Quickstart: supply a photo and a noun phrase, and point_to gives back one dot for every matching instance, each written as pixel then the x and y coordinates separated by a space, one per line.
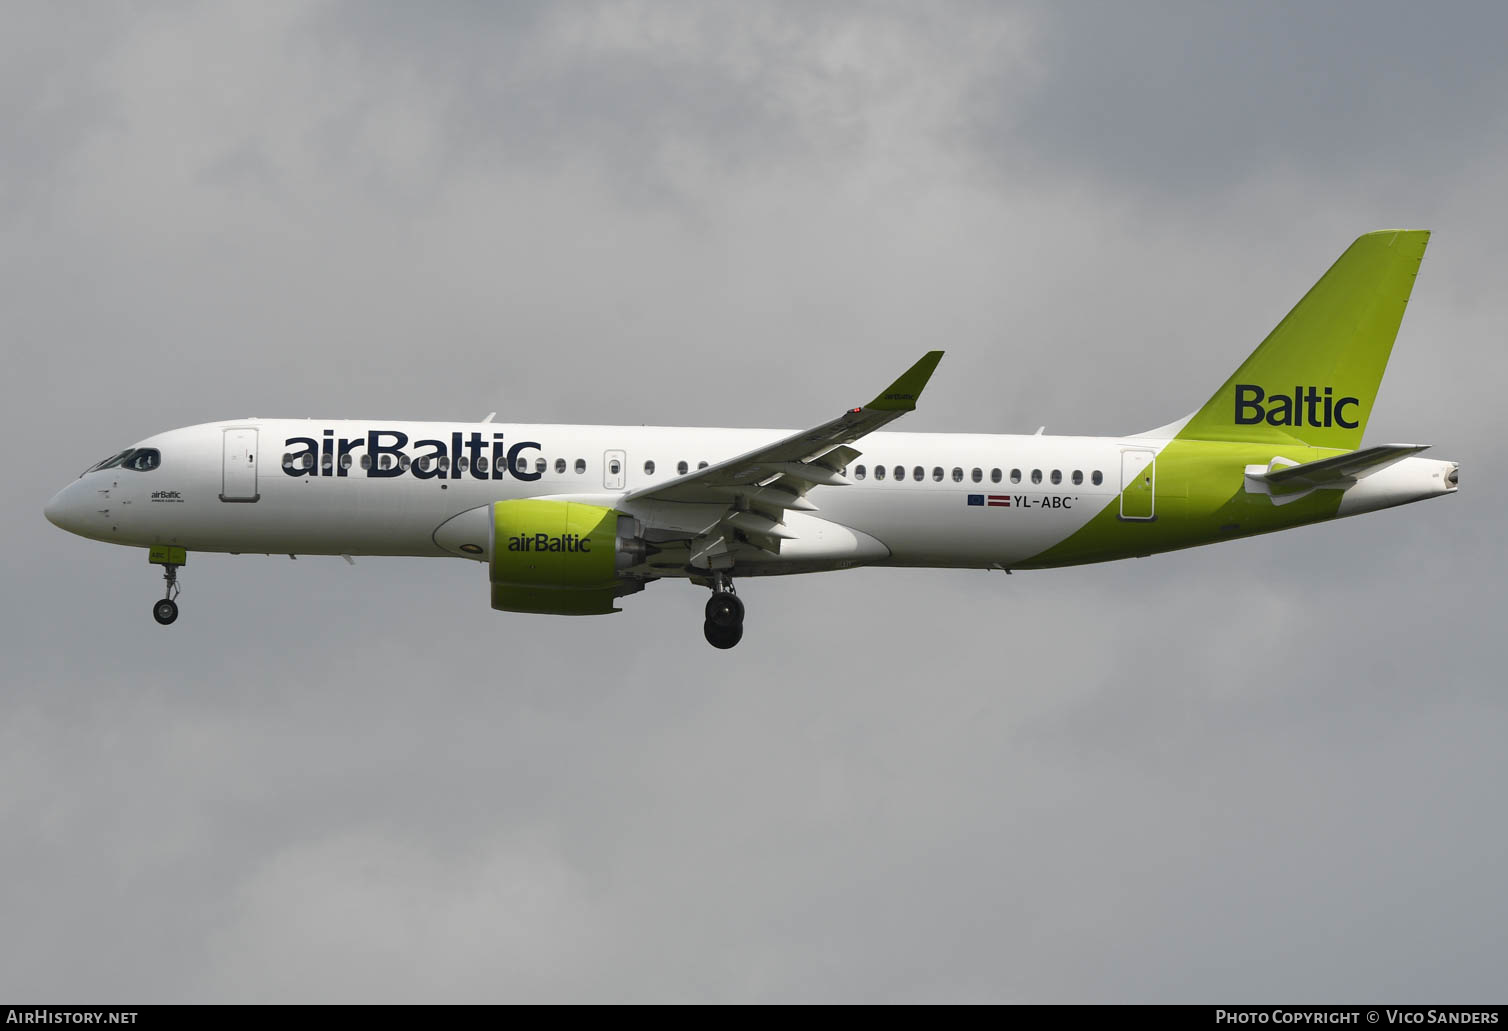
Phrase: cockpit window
pixel 142 460
pixel 111 462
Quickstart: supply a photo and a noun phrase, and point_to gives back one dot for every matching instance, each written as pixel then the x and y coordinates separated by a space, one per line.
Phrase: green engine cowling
pixel 560 557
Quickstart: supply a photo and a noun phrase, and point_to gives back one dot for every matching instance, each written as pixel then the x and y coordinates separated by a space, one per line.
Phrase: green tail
pixel 1314 378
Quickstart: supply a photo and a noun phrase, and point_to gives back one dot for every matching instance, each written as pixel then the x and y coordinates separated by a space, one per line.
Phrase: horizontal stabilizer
pixel 1340 471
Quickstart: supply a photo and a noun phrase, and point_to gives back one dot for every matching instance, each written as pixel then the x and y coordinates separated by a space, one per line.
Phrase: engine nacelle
pixel 561 557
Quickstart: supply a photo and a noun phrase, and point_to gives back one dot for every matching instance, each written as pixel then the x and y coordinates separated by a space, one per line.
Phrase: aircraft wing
pixel 1342 470
pixel 745 498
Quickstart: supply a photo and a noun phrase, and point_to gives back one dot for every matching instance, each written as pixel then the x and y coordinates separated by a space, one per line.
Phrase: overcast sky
pixel 1270 770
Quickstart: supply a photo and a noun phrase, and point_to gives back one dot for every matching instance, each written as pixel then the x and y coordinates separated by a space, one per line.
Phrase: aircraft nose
pixel 63 511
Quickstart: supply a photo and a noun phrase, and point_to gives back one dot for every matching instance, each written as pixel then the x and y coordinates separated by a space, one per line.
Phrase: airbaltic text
pixel 545 542
pixel 384 455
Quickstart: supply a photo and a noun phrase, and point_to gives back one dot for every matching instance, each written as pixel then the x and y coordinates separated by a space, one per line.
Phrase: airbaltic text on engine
pixel 440 459
pixel 1282 410
pixel 547 542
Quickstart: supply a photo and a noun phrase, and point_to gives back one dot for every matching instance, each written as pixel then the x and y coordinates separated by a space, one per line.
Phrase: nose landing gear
pixel 165 610
pixel 724 626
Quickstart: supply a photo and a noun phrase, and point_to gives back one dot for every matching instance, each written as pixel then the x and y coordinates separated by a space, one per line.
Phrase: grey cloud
pixel 652 97
pixel 49 98
pixel 1178 99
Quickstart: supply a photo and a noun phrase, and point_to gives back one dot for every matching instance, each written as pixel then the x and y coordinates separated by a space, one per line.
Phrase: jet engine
pixel 561 557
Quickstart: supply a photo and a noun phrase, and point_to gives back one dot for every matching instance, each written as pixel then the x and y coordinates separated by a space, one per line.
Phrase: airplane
pixel 569 519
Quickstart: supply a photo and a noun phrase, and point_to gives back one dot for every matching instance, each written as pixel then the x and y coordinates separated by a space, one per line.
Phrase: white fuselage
pixel 240 486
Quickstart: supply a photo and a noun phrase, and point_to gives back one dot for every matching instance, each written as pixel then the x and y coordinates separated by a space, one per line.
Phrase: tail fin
pixel 1314 378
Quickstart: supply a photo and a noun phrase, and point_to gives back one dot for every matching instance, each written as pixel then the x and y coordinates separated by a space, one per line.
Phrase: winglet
pixel 901 395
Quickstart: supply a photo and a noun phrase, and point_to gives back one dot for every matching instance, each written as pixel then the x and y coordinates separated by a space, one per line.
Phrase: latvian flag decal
pixel 991 500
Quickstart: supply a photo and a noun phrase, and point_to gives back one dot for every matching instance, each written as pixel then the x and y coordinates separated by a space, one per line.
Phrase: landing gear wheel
pixel 722 636
pixel 725 610
pixel 166 610
pixel 724 626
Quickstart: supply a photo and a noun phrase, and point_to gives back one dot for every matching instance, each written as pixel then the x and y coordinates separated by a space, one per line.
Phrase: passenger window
pixel 682 468
pixel 649 468
pixel 580 466
pixel 560 466
pixel 879 472
pixel 308 461
pixel 900 472
pixel 345 461
pixel 1078 477
pixel 1015 475
pixel 1057 476
pixel 327 462
pixel 957 475
pixel 481 463
pixel 701 465
pixel 366 461
pixel 1036 475
pixel 287 460
pixel 918 474
pixel 613 467
pixel 858 472
pixel 387 461
pixel 403 462
pixel 463 463
pixel 1096 478
pixel 937 473
pixel 444 463
pixel 977 475
pixel 539 466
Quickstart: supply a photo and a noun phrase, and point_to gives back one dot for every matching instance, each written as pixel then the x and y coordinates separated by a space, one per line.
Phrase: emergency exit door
pixel 1138 484
pixel 239 481
pixel 613 469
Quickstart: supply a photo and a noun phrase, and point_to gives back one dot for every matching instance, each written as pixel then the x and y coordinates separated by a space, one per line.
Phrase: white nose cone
pixel 66 509
pixel 54 510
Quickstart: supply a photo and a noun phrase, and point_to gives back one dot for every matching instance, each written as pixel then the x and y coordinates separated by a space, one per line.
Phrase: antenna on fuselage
pixel 490 416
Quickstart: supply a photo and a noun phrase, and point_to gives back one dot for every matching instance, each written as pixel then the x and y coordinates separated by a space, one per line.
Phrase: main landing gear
pixel 166 609
pixel 725 615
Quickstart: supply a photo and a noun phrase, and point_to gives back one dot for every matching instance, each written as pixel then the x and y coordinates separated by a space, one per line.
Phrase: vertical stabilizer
pixel 1315 377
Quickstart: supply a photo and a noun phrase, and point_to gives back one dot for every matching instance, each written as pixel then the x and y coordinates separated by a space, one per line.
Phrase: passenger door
pixel 239 479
